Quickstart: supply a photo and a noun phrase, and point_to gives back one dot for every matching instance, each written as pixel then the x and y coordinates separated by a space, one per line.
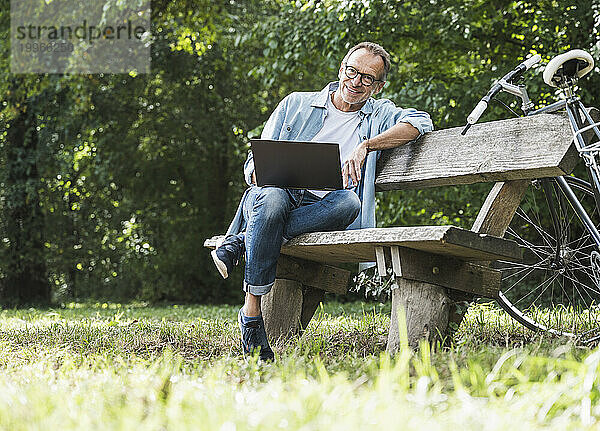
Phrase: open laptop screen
pixel 297 165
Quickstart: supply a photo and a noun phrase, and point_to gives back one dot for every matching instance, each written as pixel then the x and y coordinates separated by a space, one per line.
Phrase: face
pixel 352 90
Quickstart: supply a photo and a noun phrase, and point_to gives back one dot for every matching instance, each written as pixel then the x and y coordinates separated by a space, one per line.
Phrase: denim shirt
pixel 300 115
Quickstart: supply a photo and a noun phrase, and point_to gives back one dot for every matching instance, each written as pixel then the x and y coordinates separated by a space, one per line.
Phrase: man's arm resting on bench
pixel 395 136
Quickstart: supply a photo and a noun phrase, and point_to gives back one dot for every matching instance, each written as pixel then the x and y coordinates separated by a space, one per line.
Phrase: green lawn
pixel 113 366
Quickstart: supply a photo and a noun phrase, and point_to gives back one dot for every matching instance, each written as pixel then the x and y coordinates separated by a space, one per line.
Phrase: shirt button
pixel 288 128
pixel 364 137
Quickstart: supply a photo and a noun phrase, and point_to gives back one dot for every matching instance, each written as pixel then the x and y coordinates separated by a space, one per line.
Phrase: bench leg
pixel 288 308
pixel 310 302
pixel 426 310
pixel 282 308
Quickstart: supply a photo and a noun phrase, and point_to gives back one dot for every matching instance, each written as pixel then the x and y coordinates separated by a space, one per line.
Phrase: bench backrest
pixel 519 148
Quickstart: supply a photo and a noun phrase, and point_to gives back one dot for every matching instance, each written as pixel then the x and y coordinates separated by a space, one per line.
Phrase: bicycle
pixel 556 288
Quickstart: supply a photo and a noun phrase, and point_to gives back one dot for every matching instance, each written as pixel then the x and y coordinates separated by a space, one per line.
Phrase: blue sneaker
pixel 254 337
pixel 228 253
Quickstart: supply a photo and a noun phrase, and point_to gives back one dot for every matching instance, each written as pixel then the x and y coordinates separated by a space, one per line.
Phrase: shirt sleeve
pixel 272 130
pixel 392 115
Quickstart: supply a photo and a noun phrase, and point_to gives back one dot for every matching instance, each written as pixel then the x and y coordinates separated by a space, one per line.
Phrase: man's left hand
pixel 353 166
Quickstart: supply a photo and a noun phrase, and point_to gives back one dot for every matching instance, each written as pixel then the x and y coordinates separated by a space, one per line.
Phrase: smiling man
pixel 344 112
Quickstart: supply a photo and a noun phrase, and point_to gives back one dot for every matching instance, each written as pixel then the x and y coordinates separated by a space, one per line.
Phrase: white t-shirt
pixel 339 127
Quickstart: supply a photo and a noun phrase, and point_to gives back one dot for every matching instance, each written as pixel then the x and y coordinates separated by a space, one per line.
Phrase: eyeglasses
pixel 366 79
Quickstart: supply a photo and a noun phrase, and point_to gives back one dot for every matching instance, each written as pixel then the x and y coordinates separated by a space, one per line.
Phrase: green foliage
pixel 133 172
pixel 130 173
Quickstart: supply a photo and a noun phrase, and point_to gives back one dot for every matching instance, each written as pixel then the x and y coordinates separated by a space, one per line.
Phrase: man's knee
pixel 272 201
pixel 348 203
pixel 354 204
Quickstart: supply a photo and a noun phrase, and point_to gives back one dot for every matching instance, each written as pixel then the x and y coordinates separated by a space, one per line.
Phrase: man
pixel 343 112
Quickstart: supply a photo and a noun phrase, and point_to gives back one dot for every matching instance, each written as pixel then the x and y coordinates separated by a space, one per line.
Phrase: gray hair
pixel 374 49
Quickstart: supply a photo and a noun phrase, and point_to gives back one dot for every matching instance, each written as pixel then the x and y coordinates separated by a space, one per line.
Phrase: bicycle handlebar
pixel 532 61
pixel 508 78
pixel 476 113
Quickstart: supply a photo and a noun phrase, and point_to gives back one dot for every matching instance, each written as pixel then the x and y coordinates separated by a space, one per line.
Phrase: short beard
pixel 370 93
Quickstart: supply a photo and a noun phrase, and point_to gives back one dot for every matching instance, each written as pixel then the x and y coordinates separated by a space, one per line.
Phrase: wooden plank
pixel 313 274
pixel 425 308
pixel 282 310
pixel 450 273
pixel 514 149
pixel 380 257
pixel 395 251
pixel 499 207
pixel 311 298
pixel 359 245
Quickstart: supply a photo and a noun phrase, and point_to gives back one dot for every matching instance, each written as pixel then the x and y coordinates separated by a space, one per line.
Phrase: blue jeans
pixel 273 216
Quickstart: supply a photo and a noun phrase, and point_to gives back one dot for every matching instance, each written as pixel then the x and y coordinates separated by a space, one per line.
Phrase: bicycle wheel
pixel 556 288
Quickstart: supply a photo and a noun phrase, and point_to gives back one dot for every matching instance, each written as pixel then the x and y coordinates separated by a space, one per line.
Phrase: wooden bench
pixel 431 265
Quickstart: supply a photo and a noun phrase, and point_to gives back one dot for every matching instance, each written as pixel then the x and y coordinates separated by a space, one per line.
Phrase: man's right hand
pixel 352 167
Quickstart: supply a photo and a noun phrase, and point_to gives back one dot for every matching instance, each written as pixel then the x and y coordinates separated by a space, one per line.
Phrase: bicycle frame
pixel 573 107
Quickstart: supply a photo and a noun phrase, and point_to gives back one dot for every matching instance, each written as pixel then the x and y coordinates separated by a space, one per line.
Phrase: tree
pixel 110 182
pixel 134 171
pixel 25 280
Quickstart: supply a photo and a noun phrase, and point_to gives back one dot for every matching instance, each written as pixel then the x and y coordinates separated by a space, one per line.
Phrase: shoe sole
pixel 219 264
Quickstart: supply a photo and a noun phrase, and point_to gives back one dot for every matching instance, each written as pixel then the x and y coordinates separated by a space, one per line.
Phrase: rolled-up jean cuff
pixel 257 290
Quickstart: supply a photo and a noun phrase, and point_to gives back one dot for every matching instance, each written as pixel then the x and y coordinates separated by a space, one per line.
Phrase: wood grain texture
pixel 450 273
pixel 426 311
pixel 311 298
pixel 282 310
pixel 514 149
pixel 288 308
pixel 359 245
pixel 313 274
pixel 499 207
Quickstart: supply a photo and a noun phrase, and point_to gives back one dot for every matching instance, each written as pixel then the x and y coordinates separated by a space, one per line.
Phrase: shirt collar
pixel 321 100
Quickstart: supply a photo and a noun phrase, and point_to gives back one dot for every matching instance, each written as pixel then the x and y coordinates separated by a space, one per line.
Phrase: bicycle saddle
pixel 564 67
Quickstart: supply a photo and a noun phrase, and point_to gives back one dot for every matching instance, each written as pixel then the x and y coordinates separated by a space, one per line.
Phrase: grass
pixel 124 367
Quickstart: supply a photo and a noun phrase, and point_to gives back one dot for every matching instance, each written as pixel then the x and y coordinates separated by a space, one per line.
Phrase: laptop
pixel 297 164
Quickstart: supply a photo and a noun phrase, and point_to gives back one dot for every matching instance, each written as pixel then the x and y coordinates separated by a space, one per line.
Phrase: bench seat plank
pixel 359 245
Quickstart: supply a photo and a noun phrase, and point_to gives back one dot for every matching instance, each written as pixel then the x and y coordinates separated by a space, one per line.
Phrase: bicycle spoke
pixel 536 214
pixel 548 282
pixel 586 287
pixel 529 245
pixel 521 279
pixel 543 234
pixel 575 283
pixel 555 287
pixel 566 294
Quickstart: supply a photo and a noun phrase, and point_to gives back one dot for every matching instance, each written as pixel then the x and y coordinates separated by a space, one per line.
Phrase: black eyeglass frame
pixel 362 76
